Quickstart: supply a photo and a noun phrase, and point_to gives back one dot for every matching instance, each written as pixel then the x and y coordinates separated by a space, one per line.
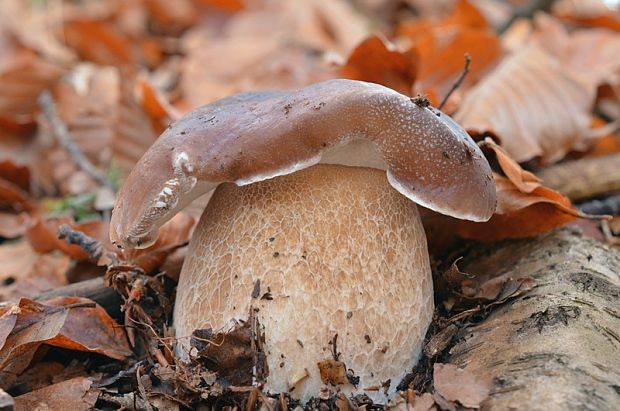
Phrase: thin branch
pixel 89 245
pixel 60 130
pixel 458 82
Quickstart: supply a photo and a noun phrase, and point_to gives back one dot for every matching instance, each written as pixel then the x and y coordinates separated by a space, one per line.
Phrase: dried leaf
pixel 135 131
pixel 532 105
pixel 378 61
pixel 442 59
pixel 74 394
pixel 525 207
pixel 99 42
pixel 464 14
pixel 521 214
pixel 22 79
pixel 11 225
pixel 87 102
pixel 459 385
pixel 587 13
pixel 172 235
pixel 332 372
pixel 85 327
pixel 228 353
pixel 589 55
pixel 27 273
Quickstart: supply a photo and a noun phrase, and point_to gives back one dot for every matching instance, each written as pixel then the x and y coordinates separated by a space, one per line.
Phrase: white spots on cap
pixel 161 204
pixel 181 161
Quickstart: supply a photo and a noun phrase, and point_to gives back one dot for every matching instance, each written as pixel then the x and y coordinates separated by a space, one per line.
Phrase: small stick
pixel 458 82
pixel 89 245
pixel 60 130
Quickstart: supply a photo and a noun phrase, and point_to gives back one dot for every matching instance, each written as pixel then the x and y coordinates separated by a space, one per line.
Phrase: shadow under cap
pixel 260 135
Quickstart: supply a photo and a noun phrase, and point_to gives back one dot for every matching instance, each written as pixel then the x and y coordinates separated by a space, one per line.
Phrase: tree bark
pixel 555 347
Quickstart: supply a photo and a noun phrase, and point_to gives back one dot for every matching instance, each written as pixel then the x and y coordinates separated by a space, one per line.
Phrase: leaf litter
pixel 119 74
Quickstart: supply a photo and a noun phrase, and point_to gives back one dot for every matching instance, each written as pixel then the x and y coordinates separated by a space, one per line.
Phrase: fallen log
pixel 556 346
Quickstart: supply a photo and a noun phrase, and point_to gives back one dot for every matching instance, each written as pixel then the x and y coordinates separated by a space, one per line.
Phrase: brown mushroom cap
pixel 255 136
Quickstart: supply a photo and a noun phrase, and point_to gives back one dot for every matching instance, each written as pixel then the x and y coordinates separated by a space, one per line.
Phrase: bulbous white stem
pixel 339 251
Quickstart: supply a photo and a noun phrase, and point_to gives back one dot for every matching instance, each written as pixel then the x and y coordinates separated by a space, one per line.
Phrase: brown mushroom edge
pixel 251 137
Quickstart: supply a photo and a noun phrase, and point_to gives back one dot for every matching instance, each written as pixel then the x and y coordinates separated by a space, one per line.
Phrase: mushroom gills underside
pixel 338 251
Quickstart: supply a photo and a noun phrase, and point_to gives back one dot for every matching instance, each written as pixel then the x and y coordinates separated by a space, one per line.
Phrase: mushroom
pixel 338 247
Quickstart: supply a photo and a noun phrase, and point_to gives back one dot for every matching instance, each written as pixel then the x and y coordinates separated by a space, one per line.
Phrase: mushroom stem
pixel 337 250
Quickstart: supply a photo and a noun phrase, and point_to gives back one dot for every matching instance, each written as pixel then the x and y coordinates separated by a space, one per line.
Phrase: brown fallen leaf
pixel 87 101
pixel 174 234
pixel 254 50
pixel 525 207
pixel 99 42
pixel 26 273
pixel 22 79
pixel 74 394
pixel 463 14
pixel 333 372
pixel 228 353
pixel 534 107
pixel 11 225
pixel 67 322
pixel 587 13
pixel 589 55
pixel 378 61
pixel 458 385
pixel 135 130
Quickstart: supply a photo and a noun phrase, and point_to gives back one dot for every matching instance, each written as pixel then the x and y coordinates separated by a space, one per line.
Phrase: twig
pixel 526 11
pixel 89 245
pixel 458 82
pixel 60 130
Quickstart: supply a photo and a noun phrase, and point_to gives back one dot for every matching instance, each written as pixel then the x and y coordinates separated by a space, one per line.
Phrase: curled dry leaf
pixel 76 394
pixel 174 234
pixel 66 322
pixel 532 105
pixel 454 384
pixel 378 61
pixel 525 207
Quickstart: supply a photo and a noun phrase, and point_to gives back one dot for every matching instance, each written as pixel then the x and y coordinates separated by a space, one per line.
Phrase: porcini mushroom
pixel 338 246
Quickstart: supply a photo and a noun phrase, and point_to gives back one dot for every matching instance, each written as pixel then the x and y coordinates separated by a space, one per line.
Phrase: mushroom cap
pixel 337 251
pixel 255 136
